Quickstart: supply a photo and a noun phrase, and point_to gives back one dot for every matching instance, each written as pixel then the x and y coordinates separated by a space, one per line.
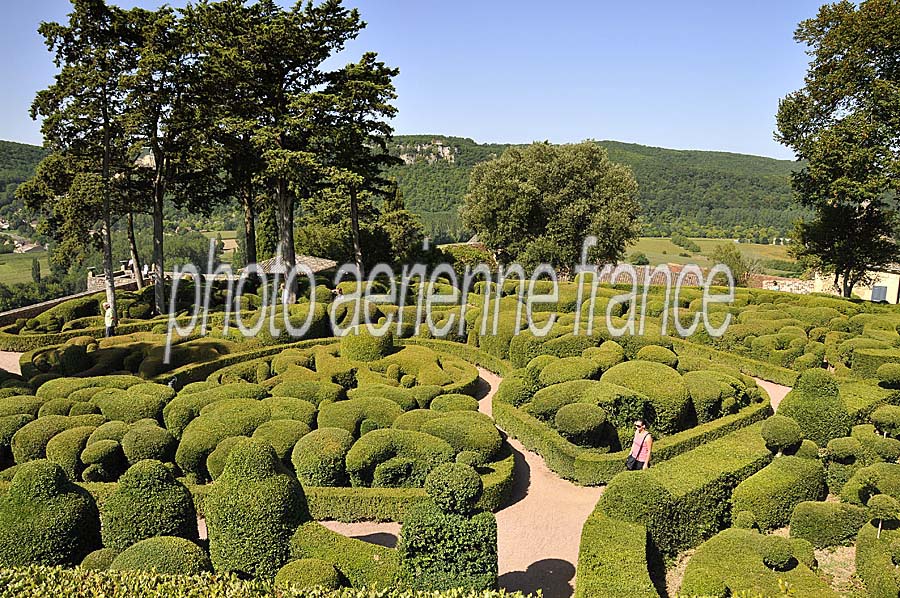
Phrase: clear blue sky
pixel 689 74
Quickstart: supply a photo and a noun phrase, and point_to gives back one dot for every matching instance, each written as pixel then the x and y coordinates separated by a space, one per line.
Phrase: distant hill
pixel 696 193
pixel 17 163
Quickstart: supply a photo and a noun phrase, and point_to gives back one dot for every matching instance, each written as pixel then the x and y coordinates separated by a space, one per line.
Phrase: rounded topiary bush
pixel 781 433
pixel 423 453
pixel 454 402
pixel 777 553
pixel 103 460
pixel 581 423
pixel 147 502
pixel 815 405
pixel 569 368
pixel 454 487
pixel 658 354
pixel 252 510
pixel 467 431
pixel 745 520
pixel 99 560
pixel 664 387
pixel 319 457
pixel 887 420
pixel 45 519
pixel 308 573
pixel 359 344
pixel 282 434
pixel 164 554
pixel 149 442
pixel 215 463
pixel 65 448
pixel 30 441
pixel 889 374
pixel 114 430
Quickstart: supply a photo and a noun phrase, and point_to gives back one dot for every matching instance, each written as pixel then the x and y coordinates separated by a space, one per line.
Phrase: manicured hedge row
pixel 873 562
pixel 772 493
pixel 827 523
pixel 201 371
pixel 751 367
pixel 685 500
pixel 866 362
pixel 862 398
pixel 40 582
pixel 391 504
pixel 612 559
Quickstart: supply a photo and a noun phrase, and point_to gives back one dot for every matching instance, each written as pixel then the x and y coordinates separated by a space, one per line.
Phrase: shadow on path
pixel 551 576
pixel 385 539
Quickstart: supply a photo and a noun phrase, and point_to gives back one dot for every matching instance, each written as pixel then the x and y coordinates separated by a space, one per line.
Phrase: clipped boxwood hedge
pixel 827 523
pixel 772 493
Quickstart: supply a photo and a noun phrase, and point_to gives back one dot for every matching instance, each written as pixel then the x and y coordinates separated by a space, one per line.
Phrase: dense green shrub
pixel 114 430
pixel 252 510
pixel 65 448
pixel 815 404
pixel 56 407
pixel 315 392
pixel 351 414
pixel 440 550
pixel 30 441
pixel 454 488
pixel 658 354
pixel 179 412
pixel 466 431
pixel 149 442
pixel 423 452
pixel 889 374
pixel 127 405
pixel 163 554
pixel 772 493
pixel 308 573
pixel 581 423
pixel 217 459
pixel 147 502
pixel 359 344
pixel 104 461
pixel 402 396
pixel 878 478
pixel 745 520
pixel 865 362
pixel 827 523
pixel 454 402
pixel 282 434
pixel 20 404
pixel 781 433
pixel 662 385
pixel 887 420
pixel 319 457
pixel 567 369
pixel 777 553
pixel 874 564
pixel 45 519
pixel 362 564
pixel 613 555
pixel 100 559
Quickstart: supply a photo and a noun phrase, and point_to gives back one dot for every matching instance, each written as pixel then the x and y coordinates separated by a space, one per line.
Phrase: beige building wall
pixel 890 281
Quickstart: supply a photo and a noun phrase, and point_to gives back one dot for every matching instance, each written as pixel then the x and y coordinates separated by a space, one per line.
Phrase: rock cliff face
pixel 427 152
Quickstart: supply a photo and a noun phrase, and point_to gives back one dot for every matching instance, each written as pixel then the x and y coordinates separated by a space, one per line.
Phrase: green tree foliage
pixel 537 204
pixel 742 268
pixel 844 124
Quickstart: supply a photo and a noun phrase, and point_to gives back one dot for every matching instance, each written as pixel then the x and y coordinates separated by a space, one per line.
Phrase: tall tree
pixel 355 105
pixel 538 203
pixel 845 123
pixel 82 111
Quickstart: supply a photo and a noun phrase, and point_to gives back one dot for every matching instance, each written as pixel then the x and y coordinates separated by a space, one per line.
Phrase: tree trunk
pixel 107 208
pixel 847 285
pixel 249 226
pixel 135 258
pixel 285 202
pixel 160 282
pixel 354 226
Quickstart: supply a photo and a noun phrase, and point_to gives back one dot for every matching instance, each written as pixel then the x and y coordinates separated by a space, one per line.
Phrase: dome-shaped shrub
pixel 149 442
pixel 581 423
pixel 454 487
pixel 664 387
pixel 567 369
pixel 147 502
pixel 351 413
pixel 164 554
pixel 889 374
pixel 454 402
pixel 781 433
pixel 99 560
pixel 308 573
pixel 745 520
pixel 65 448
pixel 844 449
pixel 359 344
pixel 282 434
pixel 658 354
pixel 467 431
pixel 424 452
pixel 45 519
pixel 815 405
pixel 215 463
pixel 30 441
pixel 777 553
pixel 319 457
pixel 887 420
pixel 114 430
pixel 252 511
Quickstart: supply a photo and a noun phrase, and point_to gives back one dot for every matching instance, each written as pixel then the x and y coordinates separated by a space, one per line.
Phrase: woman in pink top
pixel 642 445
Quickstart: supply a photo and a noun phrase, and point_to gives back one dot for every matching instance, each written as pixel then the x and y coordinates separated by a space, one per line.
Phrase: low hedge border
pixel 39 582
pixel 751 367
pixel 593 469
pixel 612 559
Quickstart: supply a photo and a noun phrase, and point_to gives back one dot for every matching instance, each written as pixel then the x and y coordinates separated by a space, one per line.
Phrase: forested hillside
pixel 696 193
pixel 17 162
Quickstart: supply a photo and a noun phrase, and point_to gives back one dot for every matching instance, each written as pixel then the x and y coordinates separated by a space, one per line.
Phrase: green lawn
pixel 662 251
pixel 16 267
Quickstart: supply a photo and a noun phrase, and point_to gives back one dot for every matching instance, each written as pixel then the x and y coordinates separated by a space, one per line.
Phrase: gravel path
pixel 538 532
pixel 776 392
pixel 9 361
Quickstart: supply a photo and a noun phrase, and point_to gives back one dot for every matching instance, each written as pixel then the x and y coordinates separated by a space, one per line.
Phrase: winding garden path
pixel 9 361
pixel 776 392
pixel 538 532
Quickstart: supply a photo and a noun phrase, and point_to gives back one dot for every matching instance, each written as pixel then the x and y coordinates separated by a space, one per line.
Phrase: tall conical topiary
pixel 252 510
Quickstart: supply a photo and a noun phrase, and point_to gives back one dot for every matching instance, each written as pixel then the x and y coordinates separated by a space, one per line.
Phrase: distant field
pixel 662 251
pixel 229 238
pixel 16 267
